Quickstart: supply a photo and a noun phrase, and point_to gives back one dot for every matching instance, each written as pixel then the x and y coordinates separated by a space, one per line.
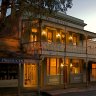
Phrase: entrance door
pixel 93 73
pixel 30 75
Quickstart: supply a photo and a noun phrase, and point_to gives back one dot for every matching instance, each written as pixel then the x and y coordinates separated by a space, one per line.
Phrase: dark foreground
pixel 85 93
pixel 90 91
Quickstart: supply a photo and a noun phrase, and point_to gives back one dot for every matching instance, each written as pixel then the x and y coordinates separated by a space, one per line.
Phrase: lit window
pixel 52 66
pixel 75 66
pixel 74 40
pixel 50 36
pixel 94 71
pixel 58 37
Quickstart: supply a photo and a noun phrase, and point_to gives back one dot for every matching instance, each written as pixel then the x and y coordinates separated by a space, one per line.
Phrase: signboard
pixel 10 60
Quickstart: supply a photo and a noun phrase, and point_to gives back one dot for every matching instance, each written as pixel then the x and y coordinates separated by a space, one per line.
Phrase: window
pixel 75 66
pixel 74 40
pixel 52 66
pixel 58 37
pixel 62 37
pixel 8 71
pixel 50 35
pixel 94 71
pixel 70 37
pixel 33 35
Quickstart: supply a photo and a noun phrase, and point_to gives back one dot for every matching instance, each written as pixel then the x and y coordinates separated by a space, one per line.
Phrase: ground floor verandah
pixel 53 72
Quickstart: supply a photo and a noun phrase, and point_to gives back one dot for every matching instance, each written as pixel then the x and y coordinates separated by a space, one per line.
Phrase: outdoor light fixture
pixel 34 30
pixel 43 32
pixel 58 35
pixel 71 65
pixel 70 37
pixel 62 65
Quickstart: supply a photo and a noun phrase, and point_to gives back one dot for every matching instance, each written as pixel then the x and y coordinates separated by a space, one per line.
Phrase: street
pixel 84 93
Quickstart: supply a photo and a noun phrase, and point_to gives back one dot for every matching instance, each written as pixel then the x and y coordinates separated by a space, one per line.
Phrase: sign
pixel 10 60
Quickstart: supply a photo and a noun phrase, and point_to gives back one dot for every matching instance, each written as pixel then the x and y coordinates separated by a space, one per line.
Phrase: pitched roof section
pixel 67 20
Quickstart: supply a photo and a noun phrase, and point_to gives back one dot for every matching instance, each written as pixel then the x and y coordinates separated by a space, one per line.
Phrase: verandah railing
pixel 32 47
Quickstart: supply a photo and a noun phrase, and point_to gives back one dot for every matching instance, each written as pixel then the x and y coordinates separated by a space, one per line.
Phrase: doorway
pixel 30 75
pixel 93 72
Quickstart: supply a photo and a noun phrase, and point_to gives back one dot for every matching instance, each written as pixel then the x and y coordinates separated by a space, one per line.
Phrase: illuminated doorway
pixel 93 72
pixel 30 75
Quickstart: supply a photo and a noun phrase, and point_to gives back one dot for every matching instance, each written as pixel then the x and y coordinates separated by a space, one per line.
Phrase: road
pixel 84 93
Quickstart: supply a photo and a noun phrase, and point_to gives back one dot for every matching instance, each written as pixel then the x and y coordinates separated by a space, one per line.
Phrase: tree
pixel 37 5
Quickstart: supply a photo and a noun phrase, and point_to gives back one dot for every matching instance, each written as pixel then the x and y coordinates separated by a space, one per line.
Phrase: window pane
pixel 52 66
pixel 75 66
pixel 50 39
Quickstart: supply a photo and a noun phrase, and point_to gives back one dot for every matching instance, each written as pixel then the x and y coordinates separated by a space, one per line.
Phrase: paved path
pixel 90 91
pixel 84 93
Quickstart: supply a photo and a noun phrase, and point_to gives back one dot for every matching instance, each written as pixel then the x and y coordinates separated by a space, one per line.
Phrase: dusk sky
pixel 85 10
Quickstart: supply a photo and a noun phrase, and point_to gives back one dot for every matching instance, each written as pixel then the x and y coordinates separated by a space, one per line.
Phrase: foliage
pixel 36 6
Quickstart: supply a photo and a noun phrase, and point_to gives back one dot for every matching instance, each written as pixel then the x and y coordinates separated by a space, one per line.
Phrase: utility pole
pixel 86 64
pixel 19 80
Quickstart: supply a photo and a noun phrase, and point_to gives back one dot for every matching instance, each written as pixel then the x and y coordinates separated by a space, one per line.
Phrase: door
pixel 93 72
pixel 30 75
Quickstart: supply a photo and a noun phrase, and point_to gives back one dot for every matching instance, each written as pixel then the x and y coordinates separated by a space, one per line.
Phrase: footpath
pixel 63 91
pixel 57 92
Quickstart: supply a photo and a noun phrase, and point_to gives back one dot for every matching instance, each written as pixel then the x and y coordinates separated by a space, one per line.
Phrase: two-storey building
pixel 52 51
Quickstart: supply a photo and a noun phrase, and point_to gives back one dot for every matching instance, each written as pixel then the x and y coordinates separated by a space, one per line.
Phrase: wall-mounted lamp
pixel 58 35
pixel 34 30
pixel 62 65
pixel 71 63
pixel 70 37
pixel 43 32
